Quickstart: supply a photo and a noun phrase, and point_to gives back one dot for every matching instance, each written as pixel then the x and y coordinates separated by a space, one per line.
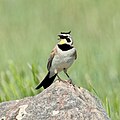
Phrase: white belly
pixel 63 60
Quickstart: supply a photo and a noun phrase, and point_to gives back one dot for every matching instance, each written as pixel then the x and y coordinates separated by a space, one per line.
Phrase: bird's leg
pixel 65 71
pixel 59 77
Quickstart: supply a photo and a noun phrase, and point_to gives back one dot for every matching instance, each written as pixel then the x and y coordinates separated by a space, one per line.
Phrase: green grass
pixel 28 32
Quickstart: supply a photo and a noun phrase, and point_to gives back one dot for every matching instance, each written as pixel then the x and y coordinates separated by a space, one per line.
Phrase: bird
pixel 61 58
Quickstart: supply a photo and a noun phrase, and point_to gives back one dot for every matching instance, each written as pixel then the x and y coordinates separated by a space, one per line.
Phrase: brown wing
pixel 75 54
pixel 51 58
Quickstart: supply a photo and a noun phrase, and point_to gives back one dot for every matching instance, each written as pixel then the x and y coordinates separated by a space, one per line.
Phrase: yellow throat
pixel 62 41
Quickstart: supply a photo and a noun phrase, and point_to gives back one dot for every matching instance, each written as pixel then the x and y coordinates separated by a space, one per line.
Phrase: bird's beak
pixel 59 35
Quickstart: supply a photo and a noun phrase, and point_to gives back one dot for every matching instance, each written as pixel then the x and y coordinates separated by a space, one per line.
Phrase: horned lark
pixel 61 58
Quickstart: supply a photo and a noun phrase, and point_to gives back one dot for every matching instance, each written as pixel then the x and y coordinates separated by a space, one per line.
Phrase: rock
pixel 61 101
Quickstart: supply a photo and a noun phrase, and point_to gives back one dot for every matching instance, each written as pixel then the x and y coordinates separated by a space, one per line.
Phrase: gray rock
pixel 61 101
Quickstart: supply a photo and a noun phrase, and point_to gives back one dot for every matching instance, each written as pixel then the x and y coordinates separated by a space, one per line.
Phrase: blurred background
pixel 28 32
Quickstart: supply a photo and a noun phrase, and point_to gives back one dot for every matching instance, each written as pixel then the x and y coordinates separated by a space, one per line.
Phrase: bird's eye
pixel 62 37
pixel 68 40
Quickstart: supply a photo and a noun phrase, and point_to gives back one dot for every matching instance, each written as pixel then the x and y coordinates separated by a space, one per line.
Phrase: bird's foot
pixel 60 80
pixel 70 81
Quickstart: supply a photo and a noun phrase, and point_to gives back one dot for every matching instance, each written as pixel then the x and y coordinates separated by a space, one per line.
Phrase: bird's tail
pixel 46 82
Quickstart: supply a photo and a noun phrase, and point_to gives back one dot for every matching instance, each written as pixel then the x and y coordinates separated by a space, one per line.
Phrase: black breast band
pixel 65 47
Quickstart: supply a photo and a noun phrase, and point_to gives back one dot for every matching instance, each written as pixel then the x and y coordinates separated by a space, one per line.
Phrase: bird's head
pixel 65 38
